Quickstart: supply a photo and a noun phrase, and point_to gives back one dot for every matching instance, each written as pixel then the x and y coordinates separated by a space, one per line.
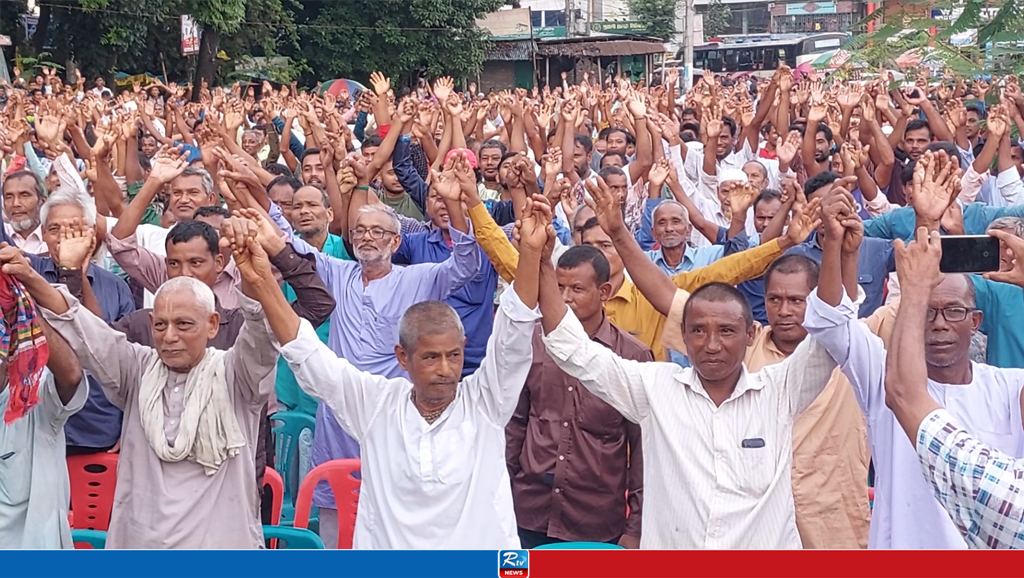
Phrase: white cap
pixel 731 175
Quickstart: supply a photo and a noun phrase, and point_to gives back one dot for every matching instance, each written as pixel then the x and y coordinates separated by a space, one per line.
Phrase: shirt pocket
pixel 16 473
pixel 751 469
pixel 453 461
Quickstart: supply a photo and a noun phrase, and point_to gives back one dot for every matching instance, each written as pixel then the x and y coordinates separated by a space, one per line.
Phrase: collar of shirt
pixel 231 271
pixel 689 378
pixel 605 334
pixel 35 235
pixel 625 292
pixel 688 253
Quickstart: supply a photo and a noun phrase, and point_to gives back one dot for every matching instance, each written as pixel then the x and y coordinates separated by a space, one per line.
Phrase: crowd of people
pixel 594 312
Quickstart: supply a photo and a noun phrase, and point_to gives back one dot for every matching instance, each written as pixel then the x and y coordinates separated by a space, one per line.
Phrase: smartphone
pixel 969 254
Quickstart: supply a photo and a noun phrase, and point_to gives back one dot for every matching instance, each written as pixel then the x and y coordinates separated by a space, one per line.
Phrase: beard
pixel 27 225
pixel 371 255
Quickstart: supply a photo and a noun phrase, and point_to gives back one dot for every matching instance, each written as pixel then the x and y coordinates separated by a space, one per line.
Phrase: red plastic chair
pixel 93 481
pixel 276 484
pixel 338 474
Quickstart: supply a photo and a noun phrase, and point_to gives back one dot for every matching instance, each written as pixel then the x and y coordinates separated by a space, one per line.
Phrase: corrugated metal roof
pixel 511 50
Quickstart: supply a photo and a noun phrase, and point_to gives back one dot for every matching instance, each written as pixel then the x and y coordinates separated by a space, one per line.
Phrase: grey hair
pixel 70 196
pixel 198 172
pixel 375 208
pixel 686 214
pixel 199 290
pixel 427 318
pixel 40 184
pixel 1012 225
pixel 582 207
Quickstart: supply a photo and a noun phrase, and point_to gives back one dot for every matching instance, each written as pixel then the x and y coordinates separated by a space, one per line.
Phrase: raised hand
pixel 805 219
pixel 446 183
pixel 998 122
pixel 741 198
pixel 1015 275
pixel 534 230
pixel 167 165
pixel 606 206
pixel 787 149
pixel 659 174
pixel 76 244
pixel 917 262
pixel 935 185
pixel 443 87
pixel 636 107
pixel 381 84
pixel 552 162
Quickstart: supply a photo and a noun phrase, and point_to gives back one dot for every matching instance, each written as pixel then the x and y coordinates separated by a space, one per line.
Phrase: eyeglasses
pixel 376 233
pixel 951 314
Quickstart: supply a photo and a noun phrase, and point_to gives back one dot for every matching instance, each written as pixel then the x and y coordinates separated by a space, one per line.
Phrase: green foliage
pixel 994 51
pixel 402 38
pixel 658 15
pixel 33 65
pixel 716 19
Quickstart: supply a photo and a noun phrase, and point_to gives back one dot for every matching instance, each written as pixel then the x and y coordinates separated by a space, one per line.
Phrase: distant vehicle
pixel 763 57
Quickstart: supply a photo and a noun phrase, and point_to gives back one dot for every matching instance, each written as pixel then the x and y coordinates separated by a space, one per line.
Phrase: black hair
pixel 767 195
pixel 278 169
pixel 584 141
pixel 976 108
pixel 688 112
pixel 719 293
pixel 578 255
pixel 610 154
pixel 822 127
pixel 818 181
pixel 729 122
pixel 211 211
pixel 918 124
pixel 309 152
pixel 789 264
pixel 603 135
pixel 372 140
pixel 798 127
pixel 630 139
pixel 606 172
pixel 289 180
pixel 185 231
pixel 587 225
pixel 494 144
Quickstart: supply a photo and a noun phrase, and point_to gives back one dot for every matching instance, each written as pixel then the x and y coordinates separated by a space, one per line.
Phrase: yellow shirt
pixel 629 310
pixel 830 447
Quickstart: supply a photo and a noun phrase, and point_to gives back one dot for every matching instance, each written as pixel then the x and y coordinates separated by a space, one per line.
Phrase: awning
pixel 601 48
pixel 511 50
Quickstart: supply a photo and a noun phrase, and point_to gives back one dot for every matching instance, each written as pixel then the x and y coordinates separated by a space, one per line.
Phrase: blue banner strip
pixel 249 564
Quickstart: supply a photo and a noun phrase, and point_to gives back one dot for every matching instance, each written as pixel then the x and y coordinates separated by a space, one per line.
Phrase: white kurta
pixel 35 491
pixel 906 513
pixel 715 477
pixel 443 485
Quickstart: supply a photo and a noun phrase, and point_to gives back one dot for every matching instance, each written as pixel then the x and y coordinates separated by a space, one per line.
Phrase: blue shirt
pixel 365 322
pixel 900 223
pixel 289 394
pixel 702 256
pixel 98 423
pixel 877 260
pixel 474 302
pixel 1001 305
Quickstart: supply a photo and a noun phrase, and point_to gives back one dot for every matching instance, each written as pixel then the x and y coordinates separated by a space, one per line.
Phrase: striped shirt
pixel 716 477
pixel 981 488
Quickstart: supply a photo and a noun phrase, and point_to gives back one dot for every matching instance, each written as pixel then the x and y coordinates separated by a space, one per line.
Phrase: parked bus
pixel 763 57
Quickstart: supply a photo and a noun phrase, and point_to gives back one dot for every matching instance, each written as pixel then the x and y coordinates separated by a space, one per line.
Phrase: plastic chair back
pixel 580 546
pixel 293 440
pixel 338 475
pixel 93 481
pixel 284 538
pixel 94 539
pixel 273 480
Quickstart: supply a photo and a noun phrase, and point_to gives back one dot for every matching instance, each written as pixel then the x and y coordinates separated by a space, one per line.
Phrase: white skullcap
pixel 731 175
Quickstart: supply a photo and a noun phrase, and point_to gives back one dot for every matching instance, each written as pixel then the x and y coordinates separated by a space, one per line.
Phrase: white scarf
pixel 209 433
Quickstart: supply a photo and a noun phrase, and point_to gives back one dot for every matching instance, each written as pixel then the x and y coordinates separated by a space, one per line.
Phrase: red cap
pixel 469 156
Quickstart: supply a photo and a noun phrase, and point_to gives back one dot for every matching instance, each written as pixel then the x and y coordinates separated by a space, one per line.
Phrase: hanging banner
pixel 189 36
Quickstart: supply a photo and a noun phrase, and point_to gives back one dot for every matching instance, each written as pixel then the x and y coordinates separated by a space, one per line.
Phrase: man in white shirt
pixel 34 488
pixel 24 195
pixel 433 448
pixel 977 485
pixel 983 398
pixel 717 439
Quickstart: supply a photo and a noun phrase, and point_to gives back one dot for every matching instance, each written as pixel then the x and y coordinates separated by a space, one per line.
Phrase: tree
pixel 994 28
pixel 659 16
pixel 402 38
pixel 716 19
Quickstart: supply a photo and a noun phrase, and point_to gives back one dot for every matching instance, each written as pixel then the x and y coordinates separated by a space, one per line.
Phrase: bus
pixel 763 57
